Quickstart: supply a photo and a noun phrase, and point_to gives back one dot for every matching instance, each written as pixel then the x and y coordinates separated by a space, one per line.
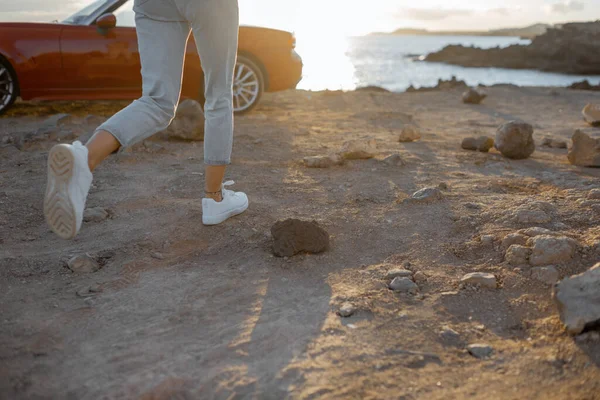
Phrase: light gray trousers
pixel 163 27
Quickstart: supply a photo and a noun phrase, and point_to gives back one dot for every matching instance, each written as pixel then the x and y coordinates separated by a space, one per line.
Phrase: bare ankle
pixel 216 196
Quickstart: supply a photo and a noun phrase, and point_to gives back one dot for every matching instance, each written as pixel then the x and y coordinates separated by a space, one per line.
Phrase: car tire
pixel 248 85
pixel 8 85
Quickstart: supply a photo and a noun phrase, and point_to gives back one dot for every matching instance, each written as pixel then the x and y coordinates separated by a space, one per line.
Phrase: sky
pixel 357 17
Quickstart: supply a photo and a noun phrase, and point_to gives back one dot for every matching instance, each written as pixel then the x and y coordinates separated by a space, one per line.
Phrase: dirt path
pixel 184 311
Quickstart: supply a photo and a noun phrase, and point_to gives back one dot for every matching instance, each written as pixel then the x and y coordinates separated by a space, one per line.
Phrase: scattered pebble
pixel 323 161
pixel 394 160
pixel 359 149
pixel 450 337
pixel 547 275
pixel 481 279
pixel 554 143
pixel 83 264
pixel 479 350
pixel 482 144
pixel 585 151
pixel 157 255
pixel 524 216
pixel 594 194
pixel 95 214
pixel 420 277
pixel 517 255
pixel 425 195
pixel 346 310
pixel 404 285
pixel 515 140
pixel 292 236
pixel 514 238
pixel 473 96
pixel 409 133
pixel 578 300
pixel 394 273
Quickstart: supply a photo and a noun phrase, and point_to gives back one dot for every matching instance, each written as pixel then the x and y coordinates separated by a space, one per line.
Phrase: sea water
pixel 393 62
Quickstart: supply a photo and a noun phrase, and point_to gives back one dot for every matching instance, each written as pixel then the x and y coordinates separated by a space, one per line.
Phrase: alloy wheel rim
pixel 245 87
pixel 7 87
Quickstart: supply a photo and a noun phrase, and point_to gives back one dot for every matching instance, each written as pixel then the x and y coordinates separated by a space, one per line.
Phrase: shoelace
pixel 228 192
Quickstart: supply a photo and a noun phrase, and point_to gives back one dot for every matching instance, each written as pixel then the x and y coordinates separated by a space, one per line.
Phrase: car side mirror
pixel 106 21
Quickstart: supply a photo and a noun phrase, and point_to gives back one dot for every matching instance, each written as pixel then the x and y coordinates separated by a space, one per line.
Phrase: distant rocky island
pixel 528 32
pixel 572 48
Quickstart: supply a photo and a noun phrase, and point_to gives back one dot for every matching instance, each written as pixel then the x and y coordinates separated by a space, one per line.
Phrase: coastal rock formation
pixel 572 49
pixel 515 140
pixel 584 85
pixel 585 151
pixel 441 85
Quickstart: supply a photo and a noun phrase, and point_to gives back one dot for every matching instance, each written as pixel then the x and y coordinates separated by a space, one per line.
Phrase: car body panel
pixel 65 61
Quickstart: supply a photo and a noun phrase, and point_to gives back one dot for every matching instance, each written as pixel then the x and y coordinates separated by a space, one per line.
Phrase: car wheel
pixel 248 85
pixel 8 86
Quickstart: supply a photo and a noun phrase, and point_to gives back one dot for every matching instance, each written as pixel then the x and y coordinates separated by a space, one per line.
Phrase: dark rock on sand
pixel 578 300
pixel 515 140
pixel 293 236
pixel 585 151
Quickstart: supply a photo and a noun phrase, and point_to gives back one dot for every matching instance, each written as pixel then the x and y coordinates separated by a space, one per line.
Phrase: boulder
pixel 360 149
pixel 409 133
pixel 394 160
pixel 473 96
pixel 188 123
pixel 482 143
pixel 346 310
pixel 515 140
pixel 585 151
pixel 514 238
pixel 293 236
pixel 578 300
pixel 548 250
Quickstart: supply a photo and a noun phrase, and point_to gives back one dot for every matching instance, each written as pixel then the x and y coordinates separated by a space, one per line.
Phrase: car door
pixel 102 64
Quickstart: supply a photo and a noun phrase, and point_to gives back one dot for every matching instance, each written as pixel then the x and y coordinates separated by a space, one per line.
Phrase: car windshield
pixel 81 15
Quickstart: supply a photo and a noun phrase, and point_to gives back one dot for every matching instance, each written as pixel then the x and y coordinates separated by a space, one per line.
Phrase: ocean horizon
pixel 391 62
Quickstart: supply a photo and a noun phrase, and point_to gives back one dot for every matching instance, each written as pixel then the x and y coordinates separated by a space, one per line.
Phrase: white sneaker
pixel 69 181
pixel 234 203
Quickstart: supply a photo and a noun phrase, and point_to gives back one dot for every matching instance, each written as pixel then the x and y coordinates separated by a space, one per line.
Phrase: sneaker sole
pixel 58 207
pixel 217 219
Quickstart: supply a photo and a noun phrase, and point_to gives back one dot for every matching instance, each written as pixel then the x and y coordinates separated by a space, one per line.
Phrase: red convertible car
pixel 93 55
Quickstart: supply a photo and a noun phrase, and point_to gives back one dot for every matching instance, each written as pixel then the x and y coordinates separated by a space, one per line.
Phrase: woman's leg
pixel 162 49
pixel 215 26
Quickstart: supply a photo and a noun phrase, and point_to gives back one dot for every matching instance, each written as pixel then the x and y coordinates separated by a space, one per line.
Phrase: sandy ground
pixel 216 315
